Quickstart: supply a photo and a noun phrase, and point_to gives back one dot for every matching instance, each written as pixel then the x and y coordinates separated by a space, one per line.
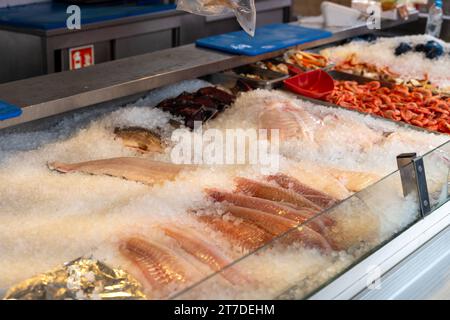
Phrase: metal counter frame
pixel 112 38
pixel 355 281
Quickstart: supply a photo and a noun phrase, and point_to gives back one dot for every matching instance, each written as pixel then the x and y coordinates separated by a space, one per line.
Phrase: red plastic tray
pixel 313 84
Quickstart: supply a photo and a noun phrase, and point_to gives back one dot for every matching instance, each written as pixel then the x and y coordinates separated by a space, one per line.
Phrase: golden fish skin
pixel 272 207
pixel 246 235
pixel 277 226
pixel 319 198
pixel 158 264
pixel 135 169
pixel 204 252
pixel 318 223
pixel 270 192
pixel 141 139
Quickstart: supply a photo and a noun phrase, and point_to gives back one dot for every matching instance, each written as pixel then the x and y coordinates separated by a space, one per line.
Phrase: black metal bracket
pixel 413 176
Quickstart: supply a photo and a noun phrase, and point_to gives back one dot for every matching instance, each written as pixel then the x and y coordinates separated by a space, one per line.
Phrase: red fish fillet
pixel 274 193
pixel 268 206
pixel 319 198
pixel 204 252
pixel 278 225
pixel 136 169
pixel 158 264
pixel 244 234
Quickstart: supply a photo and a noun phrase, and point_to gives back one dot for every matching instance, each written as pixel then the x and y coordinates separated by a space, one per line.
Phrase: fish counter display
pixel 417 61
pixel 102 184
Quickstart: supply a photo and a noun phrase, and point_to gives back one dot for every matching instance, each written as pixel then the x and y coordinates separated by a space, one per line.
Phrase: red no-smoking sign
pixel 81 57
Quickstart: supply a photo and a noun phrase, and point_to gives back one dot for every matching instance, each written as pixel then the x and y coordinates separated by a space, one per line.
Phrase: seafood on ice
pixel 247 221
pixel 420 58
pixel 241 233
pixel 292 122
pixel 176 234
pixel 279 209
pixel 135 169
pixel 141 139
pixel 158 264
pixel 418 107
pixel 261 204
pixel 271 192
pixel 317 197
pixel 201 105
pixel 276 226
pixel 205 252
pixel 295 122
pixel 336 182
pixel 306 60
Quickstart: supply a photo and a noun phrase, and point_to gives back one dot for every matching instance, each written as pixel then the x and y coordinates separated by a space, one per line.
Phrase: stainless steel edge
pixel 423 275
pixel 56 93
pixel 362 275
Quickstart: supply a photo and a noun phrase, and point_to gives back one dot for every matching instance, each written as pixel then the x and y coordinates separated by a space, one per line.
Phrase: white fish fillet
pixel 354 180
pixel 314 177
pixel 293 122
pixel 135 169
pixel 351 132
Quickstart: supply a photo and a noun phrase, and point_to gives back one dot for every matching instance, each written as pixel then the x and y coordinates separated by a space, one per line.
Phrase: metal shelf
pixel 53 94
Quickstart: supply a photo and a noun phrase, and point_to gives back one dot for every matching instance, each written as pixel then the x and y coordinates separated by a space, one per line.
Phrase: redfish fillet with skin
pixel 319 198
pixel 245 235
pixel 270 192
pixel 134 169
pixel 158 264
pixel 278 225
pixel 206 253
pixel 269 206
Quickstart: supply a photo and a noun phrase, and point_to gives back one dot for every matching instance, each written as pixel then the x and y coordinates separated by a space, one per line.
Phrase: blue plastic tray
pixel 50 15
pixel 8 111
pixel 267 39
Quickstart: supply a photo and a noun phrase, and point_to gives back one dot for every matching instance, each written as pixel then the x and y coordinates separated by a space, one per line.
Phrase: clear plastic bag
pixel 243 9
